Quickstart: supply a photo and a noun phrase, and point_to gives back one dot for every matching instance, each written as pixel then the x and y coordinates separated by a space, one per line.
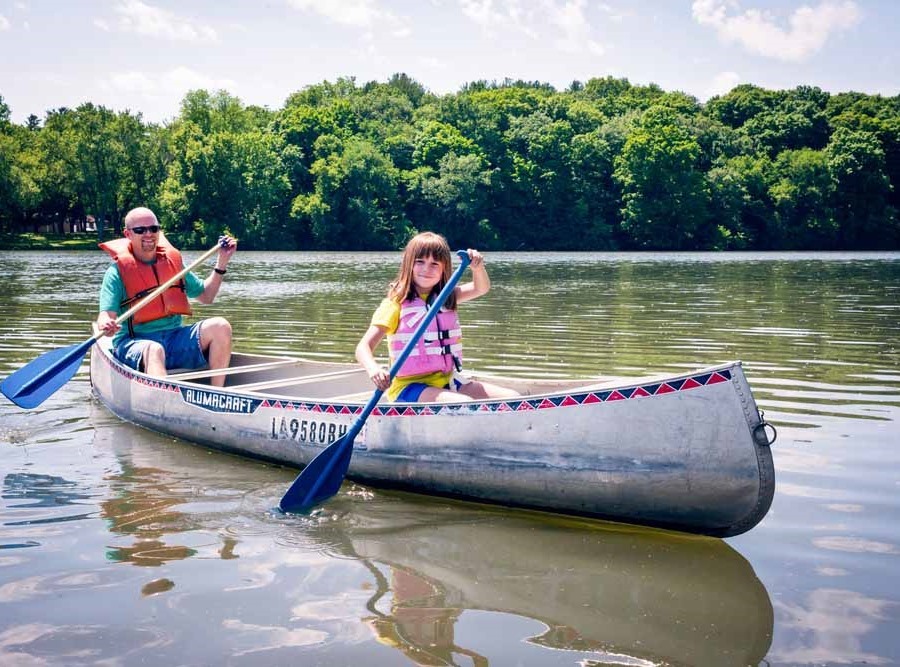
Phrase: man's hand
pixel 106 322
pixel 227 248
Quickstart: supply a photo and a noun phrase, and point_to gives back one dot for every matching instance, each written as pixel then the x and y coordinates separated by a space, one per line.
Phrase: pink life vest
pixel 439 350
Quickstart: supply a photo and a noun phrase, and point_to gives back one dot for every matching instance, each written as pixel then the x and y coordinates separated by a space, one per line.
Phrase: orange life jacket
pixel 140 279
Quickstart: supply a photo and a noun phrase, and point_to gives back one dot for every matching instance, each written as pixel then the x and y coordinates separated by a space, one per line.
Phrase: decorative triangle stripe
pixel 545 403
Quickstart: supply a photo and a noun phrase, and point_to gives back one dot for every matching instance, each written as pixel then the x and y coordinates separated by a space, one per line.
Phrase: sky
pixel 144 55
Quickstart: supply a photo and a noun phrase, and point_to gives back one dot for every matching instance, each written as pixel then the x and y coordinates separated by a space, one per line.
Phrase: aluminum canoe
pixel 688 452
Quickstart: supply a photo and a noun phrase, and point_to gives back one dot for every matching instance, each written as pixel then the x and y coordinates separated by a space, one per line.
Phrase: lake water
pixel 119 546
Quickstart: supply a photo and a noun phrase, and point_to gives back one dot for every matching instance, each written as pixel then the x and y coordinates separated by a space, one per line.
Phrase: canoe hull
pixel 679 453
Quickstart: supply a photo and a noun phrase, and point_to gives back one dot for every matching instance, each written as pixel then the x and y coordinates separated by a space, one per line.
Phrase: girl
pixel 428 373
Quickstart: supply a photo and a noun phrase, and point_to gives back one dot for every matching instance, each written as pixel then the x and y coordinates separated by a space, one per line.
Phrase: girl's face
pixel 427 272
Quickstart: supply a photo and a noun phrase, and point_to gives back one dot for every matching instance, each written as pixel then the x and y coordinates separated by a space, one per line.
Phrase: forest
pixel 511 165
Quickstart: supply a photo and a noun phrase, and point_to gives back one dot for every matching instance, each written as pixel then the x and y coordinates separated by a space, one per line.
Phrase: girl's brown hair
pixel 426 244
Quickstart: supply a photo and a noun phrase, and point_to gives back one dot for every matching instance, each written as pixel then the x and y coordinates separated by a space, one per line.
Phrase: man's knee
pixel 216 329
pixel 154 356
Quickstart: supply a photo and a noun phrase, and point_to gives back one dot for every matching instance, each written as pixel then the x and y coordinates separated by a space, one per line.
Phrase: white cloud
pixel 355 13
pixel 758 31
pixel 614 14
pixel 532 19
pixel 143 19
pixel 570 18
pixel 500 15
pixel 722 83
pixel 174 83
pixel 434 63
pixel 4 22
pixel 360 13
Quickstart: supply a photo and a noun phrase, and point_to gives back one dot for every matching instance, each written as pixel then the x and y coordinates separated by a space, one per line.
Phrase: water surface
pixel 122 546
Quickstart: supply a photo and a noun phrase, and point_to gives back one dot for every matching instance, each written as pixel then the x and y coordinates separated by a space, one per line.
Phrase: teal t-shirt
pixel 112 294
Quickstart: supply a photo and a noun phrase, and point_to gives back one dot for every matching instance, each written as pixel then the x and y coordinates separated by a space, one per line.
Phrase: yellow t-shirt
pixel 387 316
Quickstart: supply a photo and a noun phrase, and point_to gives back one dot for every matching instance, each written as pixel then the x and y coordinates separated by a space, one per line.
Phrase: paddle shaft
pixel 345 444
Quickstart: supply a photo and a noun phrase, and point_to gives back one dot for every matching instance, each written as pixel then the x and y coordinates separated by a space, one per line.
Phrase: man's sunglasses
pixel 149 228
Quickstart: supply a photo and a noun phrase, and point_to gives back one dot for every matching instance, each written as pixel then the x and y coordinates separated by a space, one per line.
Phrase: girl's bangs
pixel 431 247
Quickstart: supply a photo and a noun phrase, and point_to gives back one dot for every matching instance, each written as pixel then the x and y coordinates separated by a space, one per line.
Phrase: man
pixel 154 338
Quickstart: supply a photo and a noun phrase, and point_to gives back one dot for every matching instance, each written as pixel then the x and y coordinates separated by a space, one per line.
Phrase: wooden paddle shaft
pixel 164 286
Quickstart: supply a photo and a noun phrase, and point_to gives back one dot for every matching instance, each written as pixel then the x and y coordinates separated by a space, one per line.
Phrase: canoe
pixel 688 452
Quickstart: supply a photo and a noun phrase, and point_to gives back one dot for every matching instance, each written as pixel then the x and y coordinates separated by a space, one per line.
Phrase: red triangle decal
pixel 716 378
pixel 524 406
pixel 504 407
pixel 664 389
pixel 409 412
pixel 690 383
pixel 546 403
pixel 615 396
pixel 591 398
pixel 568 400
pixel 331 410
pixel 640 391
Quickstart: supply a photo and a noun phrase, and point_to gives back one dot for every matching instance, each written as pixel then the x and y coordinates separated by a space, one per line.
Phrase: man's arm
pixel 214 281
pixel 111 294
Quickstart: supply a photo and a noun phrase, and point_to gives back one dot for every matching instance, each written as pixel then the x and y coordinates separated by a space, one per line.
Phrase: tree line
pixel 512 165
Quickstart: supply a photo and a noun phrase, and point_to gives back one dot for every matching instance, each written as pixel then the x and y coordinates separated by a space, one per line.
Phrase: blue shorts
pixel 182 347
pixel 412 392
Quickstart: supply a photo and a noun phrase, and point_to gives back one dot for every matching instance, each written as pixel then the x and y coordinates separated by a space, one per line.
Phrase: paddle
pixel 322 478
pixel 32 384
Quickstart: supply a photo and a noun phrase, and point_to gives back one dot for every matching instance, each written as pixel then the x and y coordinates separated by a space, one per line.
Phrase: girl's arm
pixel 481 282
pixel 365 355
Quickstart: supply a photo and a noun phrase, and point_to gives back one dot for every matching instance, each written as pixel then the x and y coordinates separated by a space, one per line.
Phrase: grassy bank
pixel 29 241
pixel 78 241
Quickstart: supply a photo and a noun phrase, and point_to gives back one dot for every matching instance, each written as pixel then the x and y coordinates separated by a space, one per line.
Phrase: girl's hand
pixel 476 258
pixel 380 378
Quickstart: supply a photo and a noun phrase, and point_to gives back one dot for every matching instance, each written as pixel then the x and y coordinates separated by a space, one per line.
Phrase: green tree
pixel 802 190
pixel 664 196
pixel 740 203
pixel 355 203
pixel 856 161
pixel 228 181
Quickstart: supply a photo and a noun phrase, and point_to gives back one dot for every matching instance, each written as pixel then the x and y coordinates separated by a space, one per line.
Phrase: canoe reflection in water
pixel 618 593
pixel 447 582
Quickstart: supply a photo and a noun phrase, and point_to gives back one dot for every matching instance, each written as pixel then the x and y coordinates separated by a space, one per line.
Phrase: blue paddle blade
pixel 32 384
pixel 321 479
